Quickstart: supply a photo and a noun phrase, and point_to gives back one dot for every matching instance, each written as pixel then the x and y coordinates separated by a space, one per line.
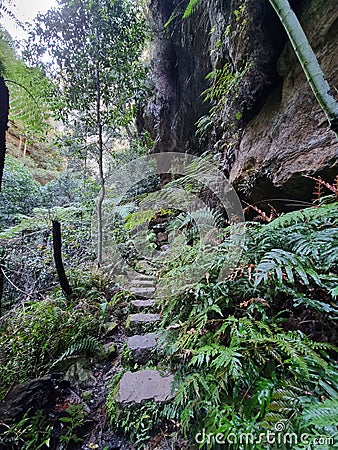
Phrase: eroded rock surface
pixel 269 131
pixel 35 395
pixel 289 135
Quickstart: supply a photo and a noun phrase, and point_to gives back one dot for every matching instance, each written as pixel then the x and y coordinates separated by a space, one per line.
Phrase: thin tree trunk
pixel 101 173
pixel 4 110
pixel 1 285
pixel 25 147
pixel 57 249
pixel 308 61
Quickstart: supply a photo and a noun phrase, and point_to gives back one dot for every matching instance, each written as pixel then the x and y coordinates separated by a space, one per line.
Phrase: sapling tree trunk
pixel 308 61
pixel 4 109
pixel 57 249
pixel 1 284
pixel 101 172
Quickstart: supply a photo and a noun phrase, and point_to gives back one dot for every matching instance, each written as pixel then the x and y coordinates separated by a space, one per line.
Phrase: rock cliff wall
pixel 262 118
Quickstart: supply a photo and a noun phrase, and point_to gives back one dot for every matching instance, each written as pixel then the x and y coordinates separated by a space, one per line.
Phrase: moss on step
pixel 141 323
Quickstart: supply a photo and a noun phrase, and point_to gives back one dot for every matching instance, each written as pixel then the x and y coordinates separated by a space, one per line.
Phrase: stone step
pixel 144 276
pixel 139 276
pixel 137 387
pixel 140 323
pixel 143 282
pixel 143 291
pixel 137 305
pixel 142 347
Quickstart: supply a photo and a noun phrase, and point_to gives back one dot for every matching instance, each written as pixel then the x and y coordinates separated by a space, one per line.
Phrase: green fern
pixel 319 244
pixel 323 215
pixel 278 264
pixel 125 210
pixel 86 346
pixel 322 414
pixel 225 336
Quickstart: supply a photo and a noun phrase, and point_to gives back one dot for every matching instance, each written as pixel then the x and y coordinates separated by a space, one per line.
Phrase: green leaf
pixel 190 8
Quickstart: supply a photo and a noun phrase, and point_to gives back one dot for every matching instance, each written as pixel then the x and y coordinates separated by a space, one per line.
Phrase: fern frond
pixel 319 244
pixel 125 209
pixel 319 180
pixel 322 414
pixel 279 264
pixel 87 345
pixel 197 223
pixel 285 403
pixel 262 214
pixel 326 214
pixel 315 304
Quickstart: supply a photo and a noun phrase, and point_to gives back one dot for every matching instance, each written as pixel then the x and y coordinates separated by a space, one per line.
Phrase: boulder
pixel 36 395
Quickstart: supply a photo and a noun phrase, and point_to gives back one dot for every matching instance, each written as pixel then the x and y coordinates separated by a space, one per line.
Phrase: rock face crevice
pixel 269 126
pixel 290 136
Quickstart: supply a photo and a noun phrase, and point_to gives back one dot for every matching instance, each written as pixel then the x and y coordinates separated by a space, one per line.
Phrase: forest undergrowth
pixel 251 352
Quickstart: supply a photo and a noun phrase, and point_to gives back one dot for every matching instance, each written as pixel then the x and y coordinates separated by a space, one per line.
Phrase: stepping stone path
pixel 147 291
pixel 136 387
pixel 141 304
pixel 143 385
pixel 142 347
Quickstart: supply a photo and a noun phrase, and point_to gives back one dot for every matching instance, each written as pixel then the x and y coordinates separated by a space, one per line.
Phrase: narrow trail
pixel 137 337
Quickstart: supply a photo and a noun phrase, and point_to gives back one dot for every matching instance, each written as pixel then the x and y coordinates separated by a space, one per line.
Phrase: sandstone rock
pixel 140 323
pixel 142 346
pixel 270 130
pixel 110 350
pixel 136 387
pixel 143 282
pixel 143 291
pixel 35 395
pixel 289 137
pixel 137 305
pixel 81 373
pixel 162 237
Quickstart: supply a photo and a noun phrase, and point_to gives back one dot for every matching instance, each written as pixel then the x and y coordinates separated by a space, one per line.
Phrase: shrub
pixel 20 193
pixel 38 335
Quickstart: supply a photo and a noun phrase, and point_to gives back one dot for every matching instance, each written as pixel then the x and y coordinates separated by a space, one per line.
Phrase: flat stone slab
pixel 143 291
pixel 144 277
pixel 144 318
pixel 143 283
pixel 137 387
pixel 140 304
pixel 140 342
pixel 143 348
pixel 141 323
